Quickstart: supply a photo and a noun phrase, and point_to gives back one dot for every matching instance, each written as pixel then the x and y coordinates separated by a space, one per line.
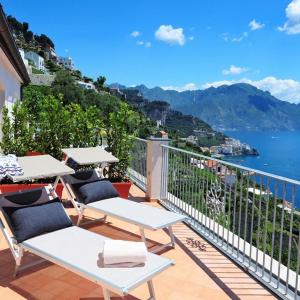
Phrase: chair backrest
pixel 26 198
pixel 32 212
pixel 84 176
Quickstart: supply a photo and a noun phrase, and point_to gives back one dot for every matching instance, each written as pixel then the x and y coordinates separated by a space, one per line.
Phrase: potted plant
pixel 42 124
pixel 121 126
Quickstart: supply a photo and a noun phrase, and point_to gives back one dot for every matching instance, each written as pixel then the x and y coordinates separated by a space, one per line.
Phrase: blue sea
pixel 279 153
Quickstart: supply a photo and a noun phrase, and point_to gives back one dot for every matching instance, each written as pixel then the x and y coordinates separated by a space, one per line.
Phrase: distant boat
pixel 266 164
pixel 275 137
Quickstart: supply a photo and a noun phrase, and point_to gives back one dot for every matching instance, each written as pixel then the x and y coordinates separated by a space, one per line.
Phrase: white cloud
pixel 145 44
pixel 236 39
pixel 135 33
pixel 283 89
pixel 292 25
pixel 188 87
pixel 170 35
pixel 240 38
pixel 225 36
pixel 191 38
pixel 254 25
pixel 234 70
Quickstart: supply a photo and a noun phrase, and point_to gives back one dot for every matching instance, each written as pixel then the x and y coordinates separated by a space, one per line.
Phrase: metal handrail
pixel 282 178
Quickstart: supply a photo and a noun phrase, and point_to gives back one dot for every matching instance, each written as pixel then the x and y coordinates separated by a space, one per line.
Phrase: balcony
pixel 250 216
pixel 198 274
pixel 240 240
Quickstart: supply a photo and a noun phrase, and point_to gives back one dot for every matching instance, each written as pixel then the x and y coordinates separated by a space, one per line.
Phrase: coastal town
pixel 230 147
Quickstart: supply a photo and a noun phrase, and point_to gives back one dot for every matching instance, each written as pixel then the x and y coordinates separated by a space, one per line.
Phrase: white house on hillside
pixel 67 62
pixel 13 73
pixel 22 52
pixel 36 59
pixel 86 85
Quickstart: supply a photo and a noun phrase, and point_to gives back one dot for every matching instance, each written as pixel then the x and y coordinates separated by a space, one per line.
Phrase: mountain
pixel 174 122
pixel 231 107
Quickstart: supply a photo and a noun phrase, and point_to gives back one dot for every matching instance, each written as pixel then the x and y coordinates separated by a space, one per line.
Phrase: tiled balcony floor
pixel 197 274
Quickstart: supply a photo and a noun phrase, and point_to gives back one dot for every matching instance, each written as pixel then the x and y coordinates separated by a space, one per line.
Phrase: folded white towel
pixel 120 252
pixel 9 166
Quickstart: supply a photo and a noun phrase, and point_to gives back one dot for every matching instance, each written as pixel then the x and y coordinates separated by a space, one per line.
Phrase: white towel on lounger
pixel 124 252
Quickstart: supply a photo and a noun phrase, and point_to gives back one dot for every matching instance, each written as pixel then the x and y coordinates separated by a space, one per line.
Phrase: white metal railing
pixel 248 214
pixel 137 169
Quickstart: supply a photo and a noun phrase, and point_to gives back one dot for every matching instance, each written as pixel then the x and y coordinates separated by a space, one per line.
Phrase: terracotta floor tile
pixel 56 287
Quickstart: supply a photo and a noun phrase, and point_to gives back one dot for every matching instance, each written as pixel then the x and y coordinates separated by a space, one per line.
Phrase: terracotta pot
pixel 33 153
pixel 123 188
pixel 15 187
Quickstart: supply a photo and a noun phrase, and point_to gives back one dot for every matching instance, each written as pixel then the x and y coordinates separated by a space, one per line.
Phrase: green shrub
pixel 16 134
pixel 42 123
pixel 120 130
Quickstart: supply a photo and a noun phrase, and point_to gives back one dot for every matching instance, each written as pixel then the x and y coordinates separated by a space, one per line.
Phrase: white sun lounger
pixel 144 216
pixel 78 250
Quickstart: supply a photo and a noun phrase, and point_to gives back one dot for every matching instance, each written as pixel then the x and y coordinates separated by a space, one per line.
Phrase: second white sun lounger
pixel 141 215
pixel 144 216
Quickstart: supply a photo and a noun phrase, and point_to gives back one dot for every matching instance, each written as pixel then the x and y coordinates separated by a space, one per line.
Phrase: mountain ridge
pixel 239 106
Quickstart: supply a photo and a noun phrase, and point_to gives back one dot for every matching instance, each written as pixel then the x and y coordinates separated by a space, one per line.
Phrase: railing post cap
pixel 158 139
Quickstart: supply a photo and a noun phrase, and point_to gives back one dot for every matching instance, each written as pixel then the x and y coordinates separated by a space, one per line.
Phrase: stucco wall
pixel 10 84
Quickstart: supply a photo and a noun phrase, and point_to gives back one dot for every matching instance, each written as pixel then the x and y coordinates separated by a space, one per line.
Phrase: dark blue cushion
pixel 30 221
pixel 94 191
pixel 86 175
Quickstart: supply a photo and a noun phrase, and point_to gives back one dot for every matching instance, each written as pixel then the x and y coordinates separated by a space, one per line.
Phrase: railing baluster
pixel 258 222
pixel 266 224
pixel 240 213
pixel 281 233
pixel 246 216
pixel 298 264
pixel 273 229
pixel 229 207
pixel 234 212
pixel 293 191
pixel 252 217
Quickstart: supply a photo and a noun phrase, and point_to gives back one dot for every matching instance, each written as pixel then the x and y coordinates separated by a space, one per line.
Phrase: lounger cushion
pixel 94 191
pixel 30 221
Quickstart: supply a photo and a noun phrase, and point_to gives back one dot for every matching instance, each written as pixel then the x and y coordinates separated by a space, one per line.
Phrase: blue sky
pixel 176 44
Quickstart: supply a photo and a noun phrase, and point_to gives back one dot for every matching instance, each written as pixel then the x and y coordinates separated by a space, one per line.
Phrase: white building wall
pixel 37 60
pixel 10 85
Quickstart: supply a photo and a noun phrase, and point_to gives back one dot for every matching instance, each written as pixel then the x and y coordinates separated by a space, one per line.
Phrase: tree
pixel 99 83
pixel 65 85
pixel 41 122
pixel 14 24
pixel 52 67
pixel 77 74
pixel 85 126
pixel 28 36
pixel 87 79
pixel 120 131
pixel 44 40
pixel 25 27
pixel 16 135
